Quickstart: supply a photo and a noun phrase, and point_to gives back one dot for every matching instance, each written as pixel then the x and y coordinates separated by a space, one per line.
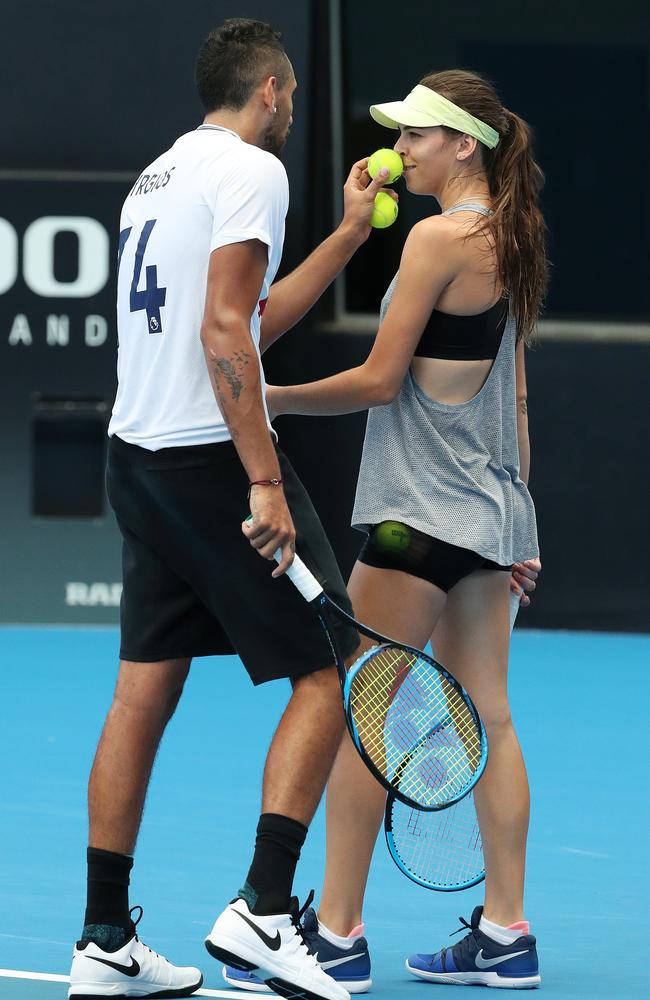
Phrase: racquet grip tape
pixel 302 578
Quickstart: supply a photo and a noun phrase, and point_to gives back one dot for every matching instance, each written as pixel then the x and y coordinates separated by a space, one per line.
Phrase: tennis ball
pixel 392 536
pixel 385 211
pixel 389 159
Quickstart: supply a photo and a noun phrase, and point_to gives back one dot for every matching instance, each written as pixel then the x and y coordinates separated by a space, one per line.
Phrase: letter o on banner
pixel 8 256
pixel 38 256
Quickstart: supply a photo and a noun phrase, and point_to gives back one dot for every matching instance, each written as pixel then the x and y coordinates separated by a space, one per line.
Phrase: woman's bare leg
pixel 405 608
pixel 471 637
pixel 472 640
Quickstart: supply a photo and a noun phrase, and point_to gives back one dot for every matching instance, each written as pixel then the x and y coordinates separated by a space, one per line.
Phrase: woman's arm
pixel 524 575
pixel 426 268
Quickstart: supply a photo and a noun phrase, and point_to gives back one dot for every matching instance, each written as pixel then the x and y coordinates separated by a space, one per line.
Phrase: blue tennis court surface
pixel 580 702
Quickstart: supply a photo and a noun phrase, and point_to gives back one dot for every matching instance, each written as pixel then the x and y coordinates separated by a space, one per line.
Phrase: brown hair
pixel 514 180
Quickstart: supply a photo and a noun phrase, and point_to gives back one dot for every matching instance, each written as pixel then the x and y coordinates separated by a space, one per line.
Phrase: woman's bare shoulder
pixel 435 240
pixel 435 227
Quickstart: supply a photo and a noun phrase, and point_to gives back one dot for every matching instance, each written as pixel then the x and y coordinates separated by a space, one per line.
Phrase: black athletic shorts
pixel 192 584
pixel 391 545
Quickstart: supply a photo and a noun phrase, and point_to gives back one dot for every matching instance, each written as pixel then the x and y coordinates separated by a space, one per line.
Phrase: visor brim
pixel 397 113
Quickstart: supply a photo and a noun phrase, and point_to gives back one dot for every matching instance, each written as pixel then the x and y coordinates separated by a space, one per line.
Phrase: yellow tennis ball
pixel 392 536
pixel 389 159
pixel 384 212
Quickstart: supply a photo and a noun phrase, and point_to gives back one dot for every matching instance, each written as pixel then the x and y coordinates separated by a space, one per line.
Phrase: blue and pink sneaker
pixel 350 967
pixel 479 960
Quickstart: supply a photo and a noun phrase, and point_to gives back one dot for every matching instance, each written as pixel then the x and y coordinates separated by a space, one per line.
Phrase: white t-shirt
pixel 209 190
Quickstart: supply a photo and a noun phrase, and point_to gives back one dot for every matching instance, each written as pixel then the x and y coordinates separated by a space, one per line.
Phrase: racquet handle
pixel 514 609
pixel 302 578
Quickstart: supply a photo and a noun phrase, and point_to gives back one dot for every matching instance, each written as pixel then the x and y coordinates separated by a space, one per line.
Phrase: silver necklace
pixel 469 198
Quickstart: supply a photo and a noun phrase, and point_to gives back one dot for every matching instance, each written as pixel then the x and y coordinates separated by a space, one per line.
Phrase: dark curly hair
pixel 234 59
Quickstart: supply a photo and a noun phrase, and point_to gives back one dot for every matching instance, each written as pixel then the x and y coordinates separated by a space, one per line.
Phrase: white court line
pixel 586 854
pixel 46 977
pixel 41 976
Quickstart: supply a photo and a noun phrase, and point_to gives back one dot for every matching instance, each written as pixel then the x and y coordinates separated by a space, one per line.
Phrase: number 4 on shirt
pixel 152 298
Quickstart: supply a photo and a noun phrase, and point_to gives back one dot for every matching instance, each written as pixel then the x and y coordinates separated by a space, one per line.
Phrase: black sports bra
pixel 464 338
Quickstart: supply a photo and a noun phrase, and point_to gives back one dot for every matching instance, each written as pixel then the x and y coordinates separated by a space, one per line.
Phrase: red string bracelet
pixel 263 482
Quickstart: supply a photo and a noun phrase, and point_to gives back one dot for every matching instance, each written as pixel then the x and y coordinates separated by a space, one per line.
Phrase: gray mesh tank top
pixel 451 470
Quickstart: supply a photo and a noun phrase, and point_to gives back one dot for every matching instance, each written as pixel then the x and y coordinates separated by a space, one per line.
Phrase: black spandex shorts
pixel 392 545
pixel 192 584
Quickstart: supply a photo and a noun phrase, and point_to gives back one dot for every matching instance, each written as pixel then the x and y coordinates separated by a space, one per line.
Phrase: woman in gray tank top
pixel 442 482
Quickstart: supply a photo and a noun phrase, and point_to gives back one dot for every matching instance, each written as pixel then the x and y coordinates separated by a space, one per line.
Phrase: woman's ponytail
pixel 515 181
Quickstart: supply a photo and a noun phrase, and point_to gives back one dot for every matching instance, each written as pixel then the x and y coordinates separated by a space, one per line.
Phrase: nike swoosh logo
pixel 271 942
pixel 487 963
pixel 336 961
pixel 127 970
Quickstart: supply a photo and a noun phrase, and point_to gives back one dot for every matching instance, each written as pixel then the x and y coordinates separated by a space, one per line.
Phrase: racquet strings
pixel 443 849
pixel 415 726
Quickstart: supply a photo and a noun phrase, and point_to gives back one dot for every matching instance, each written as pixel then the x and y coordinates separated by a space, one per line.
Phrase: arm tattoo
pixel 232 370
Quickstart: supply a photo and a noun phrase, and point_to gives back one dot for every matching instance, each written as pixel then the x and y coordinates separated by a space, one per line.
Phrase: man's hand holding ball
pixel 367 203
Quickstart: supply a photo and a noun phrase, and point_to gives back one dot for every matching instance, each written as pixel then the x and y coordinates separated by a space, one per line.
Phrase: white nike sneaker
pixel 349 965
pixel 133 971
pixel 273 947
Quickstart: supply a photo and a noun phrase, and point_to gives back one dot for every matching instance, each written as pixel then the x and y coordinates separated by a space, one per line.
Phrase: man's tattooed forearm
pixel 232 370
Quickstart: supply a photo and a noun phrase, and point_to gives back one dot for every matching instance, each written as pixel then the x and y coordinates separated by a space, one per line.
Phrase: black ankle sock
pixel 107 909
pixel 277 849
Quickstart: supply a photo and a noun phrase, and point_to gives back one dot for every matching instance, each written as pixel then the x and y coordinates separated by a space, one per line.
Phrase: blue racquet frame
pixel 325 608
pixel 393 844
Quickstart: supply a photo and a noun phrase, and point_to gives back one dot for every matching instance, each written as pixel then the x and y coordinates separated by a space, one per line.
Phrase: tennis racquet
pixel 414 726
pixel 439 850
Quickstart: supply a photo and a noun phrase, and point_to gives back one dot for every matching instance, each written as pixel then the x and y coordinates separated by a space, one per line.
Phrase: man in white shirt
pixel 190 442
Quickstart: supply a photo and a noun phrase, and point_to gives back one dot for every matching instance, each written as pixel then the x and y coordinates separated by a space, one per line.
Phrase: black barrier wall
pixel 90 95
pixel 95 90
pixel 57 355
